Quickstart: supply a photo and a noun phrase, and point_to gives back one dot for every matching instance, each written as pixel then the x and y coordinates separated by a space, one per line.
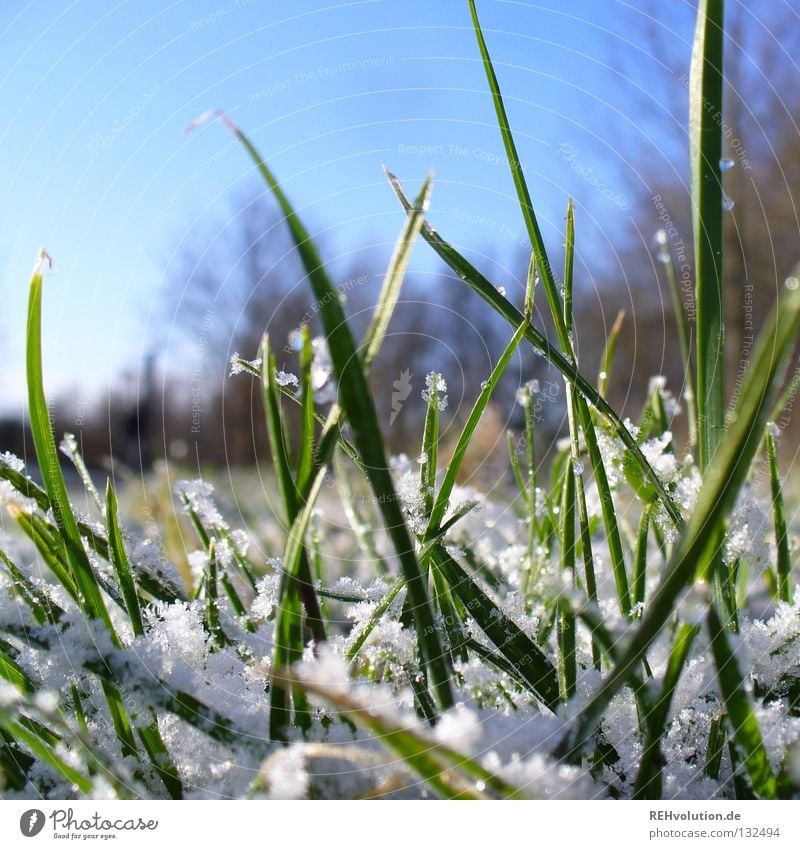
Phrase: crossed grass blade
pixel 479 284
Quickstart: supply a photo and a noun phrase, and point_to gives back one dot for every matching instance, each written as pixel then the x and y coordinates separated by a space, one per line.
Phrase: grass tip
pixel 209 115
pixel 43 261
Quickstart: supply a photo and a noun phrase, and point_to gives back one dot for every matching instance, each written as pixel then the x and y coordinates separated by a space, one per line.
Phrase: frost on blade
pixel 196 496
pixel 240 365
pixel 435 391
pixel 285 378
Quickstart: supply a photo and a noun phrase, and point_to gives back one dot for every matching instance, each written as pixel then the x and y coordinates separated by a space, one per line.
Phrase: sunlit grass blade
pixel 609 350
pixel 705 136
pixel 358 404
pixel 90 597
pixel 742 719
pixel 696 552
pixel 11 671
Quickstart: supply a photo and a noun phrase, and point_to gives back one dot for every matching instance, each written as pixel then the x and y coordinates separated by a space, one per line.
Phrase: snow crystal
pixel 198 498
pixel 285 378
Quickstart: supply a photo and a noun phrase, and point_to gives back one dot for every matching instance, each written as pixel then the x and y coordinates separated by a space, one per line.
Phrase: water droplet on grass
pixel 792 282
pixel 727 203
pixel 725 164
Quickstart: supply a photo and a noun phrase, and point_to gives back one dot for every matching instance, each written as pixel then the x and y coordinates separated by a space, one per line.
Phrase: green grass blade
pixel 523 195
pixel 119 560
pixel 380 609
pixel 781 537
pixel 640 556
pixel 11 672
pixel 534 670
pixel 705 134
pixel 288 640
pixel 43 608
pixel 567 661
pixel 306 444
pixel 569 266
pixel 211 620
pixel 607 360
pixel 287 486
pixel 69 446
pixel 358 404
pixel 588 560
pixel 649 779
pixel 161 759
pixel 746 733
pixel 430 444
pixel 684 335
pixel 606 506
pixel 46 754
pixel 716 746
pixel 390 291
pixel 89 595
pixel 479 407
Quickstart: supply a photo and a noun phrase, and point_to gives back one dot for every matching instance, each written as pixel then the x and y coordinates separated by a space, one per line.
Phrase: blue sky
pixel 96 168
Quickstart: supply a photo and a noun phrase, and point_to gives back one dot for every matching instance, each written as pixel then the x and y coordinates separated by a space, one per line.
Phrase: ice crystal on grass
pixel 240 365
pixel 435 391
pixel 196 496
pixel 285 378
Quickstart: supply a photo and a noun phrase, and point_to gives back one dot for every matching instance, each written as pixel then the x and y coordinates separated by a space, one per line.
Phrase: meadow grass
pixel 579 658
